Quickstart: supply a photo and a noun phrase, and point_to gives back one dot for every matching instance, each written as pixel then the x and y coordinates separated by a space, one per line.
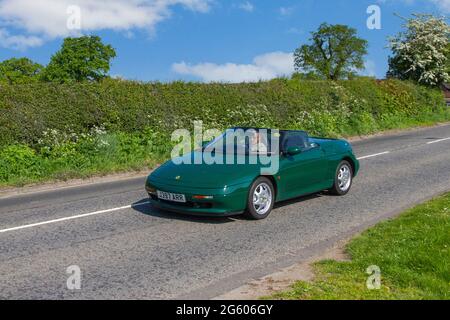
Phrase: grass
pixel 57 172
pixel 89 156
pixel 412 252
pixel 22 165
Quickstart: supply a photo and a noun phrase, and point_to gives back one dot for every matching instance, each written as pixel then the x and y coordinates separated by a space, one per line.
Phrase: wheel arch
pixel 352 163
pixel 272 179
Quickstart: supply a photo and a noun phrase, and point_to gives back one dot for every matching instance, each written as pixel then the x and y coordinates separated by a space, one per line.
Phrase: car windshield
pixel 244 141
pixel 297 139
pixel 253 141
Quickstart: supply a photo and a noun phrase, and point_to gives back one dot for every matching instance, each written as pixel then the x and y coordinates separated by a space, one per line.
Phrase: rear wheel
pixel 261 199
pixel 343 179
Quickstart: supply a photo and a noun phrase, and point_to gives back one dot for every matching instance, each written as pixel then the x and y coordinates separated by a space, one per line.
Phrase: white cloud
pixel 18 42
pixel 294 30
pixel 47 19
pixel 370 68
pixel 264 67
pixel 444 5
pixel 408 2
pixel 286 11
pixel 246 6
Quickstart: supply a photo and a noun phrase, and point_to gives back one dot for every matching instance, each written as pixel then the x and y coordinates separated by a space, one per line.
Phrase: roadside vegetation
pixel 69 119
pixel 64 131
pixel 411 251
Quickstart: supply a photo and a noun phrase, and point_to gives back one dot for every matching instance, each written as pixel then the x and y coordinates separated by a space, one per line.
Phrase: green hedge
pixel 347 107
pixel 50 131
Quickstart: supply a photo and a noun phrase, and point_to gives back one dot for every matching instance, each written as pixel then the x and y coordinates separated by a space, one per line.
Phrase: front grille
pixel 189 204
pixel 178 204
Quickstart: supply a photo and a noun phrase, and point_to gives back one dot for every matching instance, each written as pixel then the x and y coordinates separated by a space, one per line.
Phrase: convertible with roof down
pixel 230 175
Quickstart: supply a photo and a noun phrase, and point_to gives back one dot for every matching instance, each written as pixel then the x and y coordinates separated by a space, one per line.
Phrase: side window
pixel 295 139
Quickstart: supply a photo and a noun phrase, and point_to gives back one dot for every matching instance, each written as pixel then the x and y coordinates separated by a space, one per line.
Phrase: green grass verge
pixel 412 251
pixel 61 159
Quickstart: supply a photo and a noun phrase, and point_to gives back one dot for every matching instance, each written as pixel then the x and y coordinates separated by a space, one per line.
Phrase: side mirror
pixel 292 151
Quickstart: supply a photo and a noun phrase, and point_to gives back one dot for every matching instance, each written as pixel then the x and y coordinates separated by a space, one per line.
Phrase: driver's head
pixel 256 138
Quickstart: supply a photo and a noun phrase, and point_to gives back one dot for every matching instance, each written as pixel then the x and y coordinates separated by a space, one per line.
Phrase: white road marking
pixel 374 155
pixel 147 202
pixel 72 217
pixel 440 140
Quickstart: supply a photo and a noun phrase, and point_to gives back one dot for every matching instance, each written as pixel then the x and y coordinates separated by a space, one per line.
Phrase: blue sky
pixel 201 40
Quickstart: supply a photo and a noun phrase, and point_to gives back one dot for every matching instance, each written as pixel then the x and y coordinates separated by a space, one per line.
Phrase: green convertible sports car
pixel 249 172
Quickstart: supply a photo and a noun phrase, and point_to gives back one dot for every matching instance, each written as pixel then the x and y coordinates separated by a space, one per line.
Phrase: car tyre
pixel 343 179
pixel 261 199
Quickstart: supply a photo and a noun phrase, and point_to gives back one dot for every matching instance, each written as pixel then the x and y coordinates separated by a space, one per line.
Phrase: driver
pixel 258 144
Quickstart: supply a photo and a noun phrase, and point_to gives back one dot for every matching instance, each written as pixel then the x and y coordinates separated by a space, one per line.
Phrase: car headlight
pixel 150 190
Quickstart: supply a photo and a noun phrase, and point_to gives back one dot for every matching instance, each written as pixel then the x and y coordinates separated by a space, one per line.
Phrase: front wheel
pixel 343 179
pixel 261 199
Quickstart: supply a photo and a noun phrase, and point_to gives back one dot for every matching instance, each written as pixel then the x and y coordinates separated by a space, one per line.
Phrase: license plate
pixel 171 196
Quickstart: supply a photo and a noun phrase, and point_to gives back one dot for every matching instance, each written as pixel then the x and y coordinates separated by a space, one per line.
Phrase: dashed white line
pixel 374 155
pixel 440 140
pixel 145 203
pixel 72 217
pixel 38 224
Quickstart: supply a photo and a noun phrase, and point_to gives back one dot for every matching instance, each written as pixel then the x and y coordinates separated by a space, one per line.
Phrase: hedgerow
pixel 62 130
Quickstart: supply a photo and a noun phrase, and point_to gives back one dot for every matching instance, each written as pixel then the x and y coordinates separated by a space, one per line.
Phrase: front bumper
pixel 227 201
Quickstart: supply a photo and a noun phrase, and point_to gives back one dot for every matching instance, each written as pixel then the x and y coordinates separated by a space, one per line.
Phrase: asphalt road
pixel 125 249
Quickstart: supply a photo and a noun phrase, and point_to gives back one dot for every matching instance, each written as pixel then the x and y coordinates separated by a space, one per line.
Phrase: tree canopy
pixel 421 52
pixel 80 59
pixel 335 52
pixel 19 71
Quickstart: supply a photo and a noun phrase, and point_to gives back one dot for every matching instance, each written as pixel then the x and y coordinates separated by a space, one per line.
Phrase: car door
pixel 302 173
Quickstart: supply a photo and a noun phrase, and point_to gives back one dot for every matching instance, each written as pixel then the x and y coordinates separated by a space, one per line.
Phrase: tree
pixel 421 52
pixel 80 59
pixel 335 52
pixel 309 76
pixel 19 71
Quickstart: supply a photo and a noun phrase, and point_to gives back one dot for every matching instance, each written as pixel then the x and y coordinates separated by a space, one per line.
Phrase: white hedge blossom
pixel 421 52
